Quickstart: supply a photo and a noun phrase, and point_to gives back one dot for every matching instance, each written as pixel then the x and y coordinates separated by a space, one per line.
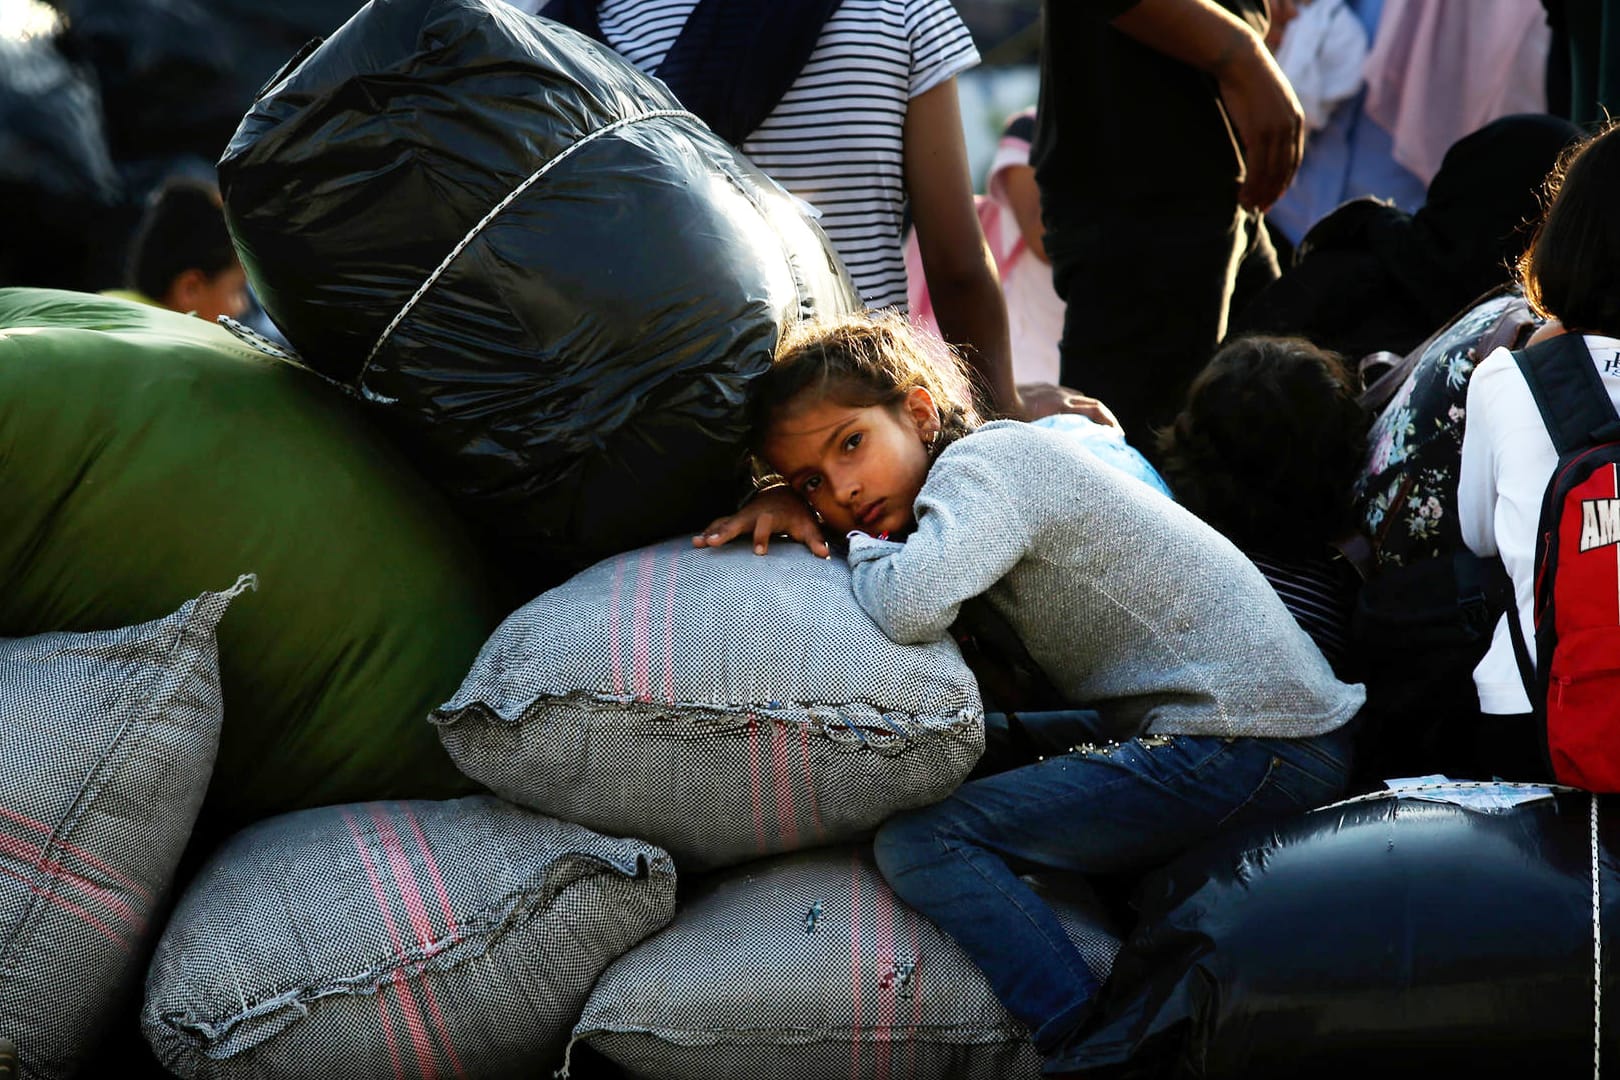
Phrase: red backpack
pixel 1574 684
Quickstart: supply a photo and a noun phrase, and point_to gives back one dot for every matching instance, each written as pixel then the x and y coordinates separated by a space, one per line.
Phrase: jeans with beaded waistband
pixel 1102 809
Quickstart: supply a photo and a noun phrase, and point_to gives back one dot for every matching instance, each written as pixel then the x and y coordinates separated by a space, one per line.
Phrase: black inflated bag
pixel 1389 936
pixel 553 282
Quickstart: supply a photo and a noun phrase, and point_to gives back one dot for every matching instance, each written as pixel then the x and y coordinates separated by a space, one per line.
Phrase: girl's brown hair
pixel 868 358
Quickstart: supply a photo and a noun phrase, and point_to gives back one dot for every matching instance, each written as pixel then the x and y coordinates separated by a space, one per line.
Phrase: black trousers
pixel 1148 293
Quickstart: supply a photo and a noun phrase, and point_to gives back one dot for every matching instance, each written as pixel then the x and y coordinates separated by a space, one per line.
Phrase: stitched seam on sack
pixel 117 752
pixel 480 929
pixel 473 233
pixel 201 1030
pixel 620 705
pixel 965 726
pixel 984 1035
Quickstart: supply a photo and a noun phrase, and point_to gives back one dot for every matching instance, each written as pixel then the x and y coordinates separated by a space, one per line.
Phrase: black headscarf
pixel 1478 215
pixel 1369 276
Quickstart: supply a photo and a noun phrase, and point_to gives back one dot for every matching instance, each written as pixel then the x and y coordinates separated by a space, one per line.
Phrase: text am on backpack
pixel 1574 683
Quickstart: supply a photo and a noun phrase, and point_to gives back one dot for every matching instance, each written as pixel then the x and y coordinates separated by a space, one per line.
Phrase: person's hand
pixel 777 512
pixel 1048 399
pixel 1268 119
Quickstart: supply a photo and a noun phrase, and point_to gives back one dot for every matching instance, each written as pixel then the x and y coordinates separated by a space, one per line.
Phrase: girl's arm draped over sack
pixel 970 532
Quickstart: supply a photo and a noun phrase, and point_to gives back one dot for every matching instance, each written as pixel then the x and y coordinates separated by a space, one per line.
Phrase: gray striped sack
pixel 722 704
pixel 397 940
pixel 807 966
pixel 107 741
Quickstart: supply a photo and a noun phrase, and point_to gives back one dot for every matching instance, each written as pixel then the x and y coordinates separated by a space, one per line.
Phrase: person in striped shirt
pixel 869 127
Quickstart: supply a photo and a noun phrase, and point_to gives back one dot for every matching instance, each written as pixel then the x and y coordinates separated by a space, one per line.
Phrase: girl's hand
pixel 777 512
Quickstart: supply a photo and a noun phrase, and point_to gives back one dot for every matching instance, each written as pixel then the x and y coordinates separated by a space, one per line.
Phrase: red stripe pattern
pixel 414 940
pixel 718 704
pixel 808 965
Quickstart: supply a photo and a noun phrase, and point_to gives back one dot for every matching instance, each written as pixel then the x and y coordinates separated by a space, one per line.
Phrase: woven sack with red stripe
pixel 808 967
pixel 412 940
pixel 721 704
pixel 107 742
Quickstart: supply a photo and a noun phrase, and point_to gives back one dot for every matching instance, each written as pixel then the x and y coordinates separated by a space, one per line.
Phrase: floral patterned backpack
pixel 1423 618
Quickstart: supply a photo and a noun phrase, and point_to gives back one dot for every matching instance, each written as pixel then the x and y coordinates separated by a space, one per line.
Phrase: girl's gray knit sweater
pixel 1129 603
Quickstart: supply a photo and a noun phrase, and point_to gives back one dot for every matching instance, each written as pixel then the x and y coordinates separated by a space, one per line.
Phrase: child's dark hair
pixel 1571 270
pixel 183 229
pixel 868 358
pixel 1268 444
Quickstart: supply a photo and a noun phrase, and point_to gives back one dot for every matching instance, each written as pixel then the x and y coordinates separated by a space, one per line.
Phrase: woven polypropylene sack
pixel 106 744
pixel 722 704
pixel 396 939
pixel 1448 931
pixel 807 966
pixel 553 283
pixel 149 455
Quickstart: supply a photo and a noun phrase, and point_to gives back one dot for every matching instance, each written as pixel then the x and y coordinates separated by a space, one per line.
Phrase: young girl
pixel 1221 710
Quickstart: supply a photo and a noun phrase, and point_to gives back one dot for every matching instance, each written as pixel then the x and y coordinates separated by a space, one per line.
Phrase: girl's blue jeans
pixel 1100 810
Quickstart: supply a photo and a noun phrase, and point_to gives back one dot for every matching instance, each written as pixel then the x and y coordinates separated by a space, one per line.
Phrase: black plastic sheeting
pixel 1375 938
pixel 177 75
pixel 575 377
pixel 56 173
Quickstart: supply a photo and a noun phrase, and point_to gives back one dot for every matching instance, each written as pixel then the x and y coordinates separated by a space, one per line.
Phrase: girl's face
pixel 859 467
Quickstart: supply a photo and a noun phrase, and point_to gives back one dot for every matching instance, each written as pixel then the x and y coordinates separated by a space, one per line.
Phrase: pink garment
pixel 1034 309
pixel 1440 69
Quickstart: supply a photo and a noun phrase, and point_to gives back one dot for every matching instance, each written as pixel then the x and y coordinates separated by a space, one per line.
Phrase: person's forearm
pixel 972 315
pixel 914 590
pixel 1199 33
pixel 1476 480
pixel 906 615
pixel 1024 196
pixel 1261 106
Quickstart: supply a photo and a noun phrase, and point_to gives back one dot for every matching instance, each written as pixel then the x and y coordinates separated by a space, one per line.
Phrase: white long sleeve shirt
pixel 1507 459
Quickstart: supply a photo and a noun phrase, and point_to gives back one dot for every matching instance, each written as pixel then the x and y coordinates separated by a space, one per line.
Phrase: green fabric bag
pixel 147 456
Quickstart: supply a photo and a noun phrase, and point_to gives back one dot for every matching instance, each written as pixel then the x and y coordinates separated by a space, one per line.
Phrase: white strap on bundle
pixel 472 233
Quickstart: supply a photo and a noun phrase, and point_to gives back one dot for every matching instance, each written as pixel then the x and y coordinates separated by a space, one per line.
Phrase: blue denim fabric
pixel 1101 810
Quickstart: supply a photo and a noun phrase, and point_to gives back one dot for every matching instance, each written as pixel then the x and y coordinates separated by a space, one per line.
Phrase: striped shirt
pixel 1319 593
pixel 835 138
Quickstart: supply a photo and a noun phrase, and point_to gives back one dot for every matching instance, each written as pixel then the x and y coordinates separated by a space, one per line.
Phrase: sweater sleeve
pixel 969 535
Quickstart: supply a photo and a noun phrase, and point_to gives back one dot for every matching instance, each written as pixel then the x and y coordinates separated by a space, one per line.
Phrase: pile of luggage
pixel 474 764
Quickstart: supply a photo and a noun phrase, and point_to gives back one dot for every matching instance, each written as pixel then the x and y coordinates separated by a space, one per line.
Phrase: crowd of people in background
pixel 1163 132
pixel 1120 268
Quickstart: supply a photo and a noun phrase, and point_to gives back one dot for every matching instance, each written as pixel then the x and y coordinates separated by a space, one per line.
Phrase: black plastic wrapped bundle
pixel 554 282
pixel 1390 936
